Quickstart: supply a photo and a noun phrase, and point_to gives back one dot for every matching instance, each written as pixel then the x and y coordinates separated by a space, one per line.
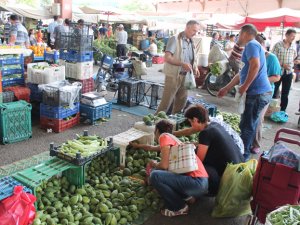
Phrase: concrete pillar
pixel 65 8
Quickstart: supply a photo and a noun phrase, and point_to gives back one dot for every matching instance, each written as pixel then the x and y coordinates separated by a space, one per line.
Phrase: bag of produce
pixel 233 198
pixel 17 209
pixel 285 215
pixel 190 82
pixel 216 54
pixel 219 67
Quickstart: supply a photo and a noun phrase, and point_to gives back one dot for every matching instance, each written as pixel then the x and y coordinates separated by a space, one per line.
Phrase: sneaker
pixel 255 150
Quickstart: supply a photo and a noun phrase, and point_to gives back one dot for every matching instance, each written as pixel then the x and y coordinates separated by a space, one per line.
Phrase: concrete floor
pixel 121 121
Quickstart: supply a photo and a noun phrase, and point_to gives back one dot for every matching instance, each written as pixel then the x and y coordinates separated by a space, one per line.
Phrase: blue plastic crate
pixel 7 185
pixel 95 113
pixel 13 82
pixel 107 61
pixel 6 72
pixel 51 57
pixel 35 93
pixel 58 112
pixel 74 56
pixel 11 61
pixel 211 108
pixel 38 58
pixel 63 54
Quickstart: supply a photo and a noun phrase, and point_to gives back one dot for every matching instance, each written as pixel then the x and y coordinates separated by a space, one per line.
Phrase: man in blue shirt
pixel 253 81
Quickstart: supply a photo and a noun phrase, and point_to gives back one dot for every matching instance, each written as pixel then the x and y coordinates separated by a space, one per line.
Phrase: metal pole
pixel 282 30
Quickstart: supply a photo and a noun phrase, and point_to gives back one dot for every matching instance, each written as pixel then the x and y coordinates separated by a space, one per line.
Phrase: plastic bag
pixel 17 209
pixel 240 99
pixel 66 92
pixel 139 68
pixel 233 198
pixel 190 82
pixel 216 54
pixel 279 117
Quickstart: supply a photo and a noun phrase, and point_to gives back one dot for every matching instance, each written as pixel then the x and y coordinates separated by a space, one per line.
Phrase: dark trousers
pixel 213 180
pixel 286 80
pixel 121 50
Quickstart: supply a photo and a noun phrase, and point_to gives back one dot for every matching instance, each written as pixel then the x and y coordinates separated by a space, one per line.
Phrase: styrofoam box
pixel 45 76
pixel 79 70
pixel 122 140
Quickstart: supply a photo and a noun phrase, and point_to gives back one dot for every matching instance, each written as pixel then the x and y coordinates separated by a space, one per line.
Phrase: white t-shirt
pixel 229 46
pixel 153 49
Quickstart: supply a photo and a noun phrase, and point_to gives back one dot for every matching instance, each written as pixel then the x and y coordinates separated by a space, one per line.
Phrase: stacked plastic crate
pixel 12 73
pixel 94 107
pixel 42 73
pixel 76 50
pixel 59 109
pixel 12 70
pixel 15 121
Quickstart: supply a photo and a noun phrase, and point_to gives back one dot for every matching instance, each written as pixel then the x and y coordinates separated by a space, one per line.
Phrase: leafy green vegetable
pixel 287 215
pixel 215 68
pixel 106 45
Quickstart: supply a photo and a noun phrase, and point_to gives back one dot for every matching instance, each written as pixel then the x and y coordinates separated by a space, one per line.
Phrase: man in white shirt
pixel 121 37
pixel 230 44
pixel 50 32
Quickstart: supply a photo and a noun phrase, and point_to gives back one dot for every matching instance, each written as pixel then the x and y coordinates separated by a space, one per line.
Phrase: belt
pixel 183 73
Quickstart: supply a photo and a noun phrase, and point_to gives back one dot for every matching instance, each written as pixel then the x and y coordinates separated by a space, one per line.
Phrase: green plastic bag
pixel 233 198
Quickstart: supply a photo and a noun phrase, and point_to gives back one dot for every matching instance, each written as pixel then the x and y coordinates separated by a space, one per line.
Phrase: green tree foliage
pixel 137 5
pixel 35 3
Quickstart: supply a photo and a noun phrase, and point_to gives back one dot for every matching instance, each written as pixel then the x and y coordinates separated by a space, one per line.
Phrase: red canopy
pixel 289 18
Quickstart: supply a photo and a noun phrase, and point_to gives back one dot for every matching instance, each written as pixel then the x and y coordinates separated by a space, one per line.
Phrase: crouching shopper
pixel 216 147
pixel 176 189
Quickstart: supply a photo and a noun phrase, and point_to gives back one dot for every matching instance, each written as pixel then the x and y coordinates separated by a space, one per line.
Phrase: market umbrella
pixel 102 10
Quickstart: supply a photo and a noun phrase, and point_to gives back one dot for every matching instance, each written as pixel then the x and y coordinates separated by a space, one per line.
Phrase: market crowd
pixel 19 35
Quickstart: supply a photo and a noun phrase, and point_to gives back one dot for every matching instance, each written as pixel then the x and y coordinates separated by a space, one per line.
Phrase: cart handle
pixel 287 140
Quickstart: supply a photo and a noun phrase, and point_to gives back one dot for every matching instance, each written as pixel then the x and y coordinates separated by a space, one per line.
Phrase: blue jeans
pixel 250 118
pixel 174 188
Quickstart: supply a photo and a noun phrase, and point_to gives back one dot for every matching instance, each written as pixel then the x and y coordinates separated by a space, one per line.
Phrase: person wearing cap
pixel 121 37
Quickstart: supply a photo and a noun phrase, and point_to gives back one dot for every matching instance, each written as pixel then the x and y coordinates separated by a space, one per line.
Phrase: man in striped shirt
pixel 286 53
pixel 18 33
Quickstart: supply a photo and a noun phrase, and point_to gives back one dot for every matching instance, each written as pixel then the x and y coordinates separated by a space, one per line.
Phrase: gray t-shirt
pixel 187 48
pixel 121 37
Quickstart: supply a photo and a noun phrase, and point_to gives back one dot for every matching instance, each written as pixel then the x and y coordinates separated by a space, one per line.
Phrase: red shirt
pixel 166 140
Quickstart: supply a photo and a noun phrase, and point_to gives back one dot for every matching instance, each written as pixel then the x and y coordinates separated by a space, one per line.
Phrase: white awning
pixel 27 11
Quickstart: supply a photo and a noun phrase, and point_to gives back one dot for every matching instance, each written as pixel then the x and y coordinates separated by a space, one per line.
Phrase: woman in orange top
pixel 109 31
pixel 175 189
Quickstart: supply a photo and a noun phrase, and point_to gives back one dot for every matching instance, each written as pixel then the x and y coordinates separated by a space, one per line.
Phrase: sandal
pixel 190 200
pixel 180 212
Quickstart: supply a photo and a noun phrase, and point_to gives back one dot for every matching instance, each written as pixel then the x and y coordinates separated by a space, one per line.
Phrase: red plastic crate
pixel 59 125
pixel 158 60
pixel 87 84
pixel 21 93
